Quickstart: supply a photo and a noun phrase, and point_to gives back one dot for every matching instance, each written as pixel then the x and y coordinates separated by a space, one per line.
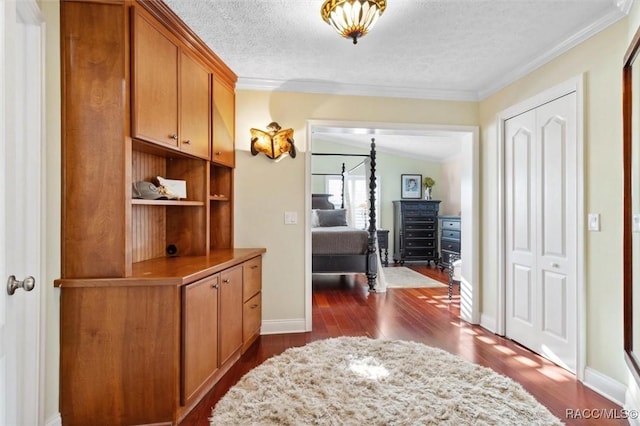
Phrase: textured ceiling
pixel 424 49
pixel 438 49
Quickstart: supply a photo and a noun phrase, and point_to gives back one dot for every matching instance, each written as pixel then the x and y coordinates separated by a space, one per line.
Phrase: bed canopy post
pixel 372 270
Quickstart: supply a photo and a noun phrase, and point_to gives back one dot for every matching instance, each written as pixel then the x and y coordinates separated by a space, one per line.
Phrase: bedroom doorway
pixel 468 137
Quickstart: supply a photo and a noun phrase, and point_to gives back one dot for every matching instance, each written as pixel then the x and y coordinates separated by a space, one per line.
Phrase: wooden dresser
pixel 415 228
pixel 156 302
pixel 449 239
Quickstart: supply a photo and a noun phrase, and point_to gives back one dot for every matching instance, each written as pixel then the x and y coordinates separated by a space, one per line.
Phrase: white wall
pixel 449 186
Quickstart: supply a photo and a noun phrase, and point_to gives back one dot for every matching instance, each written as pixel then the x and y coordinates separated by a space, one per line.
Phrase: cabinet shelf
pixel 185 203
pixel 219 198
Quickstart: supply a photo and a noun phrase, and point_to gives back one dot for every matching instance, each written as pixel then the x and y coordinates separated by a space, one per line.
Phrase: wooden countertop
pixel 174 271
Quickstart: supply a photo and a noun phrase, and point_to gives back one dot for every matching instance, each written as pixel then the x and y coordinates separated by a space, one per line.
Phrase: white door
pixel 541 230
pixel 21 85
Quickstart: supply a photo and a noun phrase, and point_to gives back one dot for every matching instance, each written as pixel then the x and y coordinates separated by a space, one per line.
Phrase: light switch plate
pixel 635 225
pixel 593 221
pixel 290 218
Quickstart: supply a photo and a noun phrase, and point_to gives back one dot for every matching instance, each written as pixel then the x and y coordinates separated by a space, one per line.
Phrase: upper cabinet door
pixel 195 101
pixel 223 150
pixel 154 84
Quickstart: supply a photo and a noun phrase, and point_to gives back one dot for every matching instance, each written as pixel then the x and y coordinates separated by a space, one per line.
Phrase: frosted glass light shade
pixel 352 18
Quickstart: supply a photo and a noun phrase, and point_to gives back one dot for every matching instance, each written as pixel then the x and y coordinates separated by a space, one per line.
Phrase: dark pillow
pixel 337 217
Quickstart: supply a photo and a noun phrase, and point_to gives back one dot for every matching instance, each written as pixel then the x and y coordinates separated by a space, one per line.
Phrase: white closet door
pixel 541 197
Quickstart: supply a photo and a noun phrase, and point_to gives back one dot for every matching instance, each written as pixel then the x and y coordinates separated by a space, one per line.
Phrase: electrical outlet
pixel 290 218
pixel 594 222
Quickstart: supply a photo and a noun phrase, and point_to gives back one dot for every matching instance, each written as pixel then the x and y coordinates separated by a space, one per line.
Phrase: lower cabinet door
pixel 230 312
pixel 199 334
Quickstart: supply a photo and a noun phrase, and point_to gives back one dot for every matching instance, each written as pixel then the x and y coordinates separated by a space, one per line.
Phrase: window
pixel 359 189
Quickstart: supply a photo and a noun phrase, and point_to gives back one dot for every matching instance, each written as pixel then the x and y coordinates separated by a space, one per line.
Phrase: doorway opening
pixel 468 137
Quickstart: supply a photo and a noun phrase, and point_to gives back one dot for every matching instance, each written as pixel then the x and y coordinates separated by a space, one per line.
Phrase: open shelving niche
pixel 196 225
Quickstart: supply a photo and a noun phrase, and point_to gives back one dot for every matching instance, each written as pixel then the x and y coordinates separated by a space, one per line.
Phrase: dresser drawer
pixel 450 235
pixel 451 224
pixel 420 226
pixel 420 242
pixel 419 216
pixel 419 233
pixel 450 245
pixel 409 206
pixel 419 253
pixel 251 317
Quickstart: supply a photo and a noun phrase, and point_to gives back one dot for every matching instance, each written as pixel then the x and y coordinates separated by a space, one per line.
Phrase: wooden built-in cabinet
pixel 146 333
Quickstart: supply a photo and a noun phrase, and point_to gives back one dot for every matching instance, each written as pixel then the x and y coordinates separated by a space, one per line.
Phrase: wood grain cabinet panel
pixel 154 83
pixel 252 298
pixel 223 145
pixel 230 312
pixel 195 101
pixel 171 91
pixel 200 334
pixel 252 270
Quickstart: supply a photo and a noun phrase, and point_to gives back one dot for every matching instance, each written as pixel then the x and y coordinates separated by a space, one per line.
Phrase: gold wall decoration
pixel 274 142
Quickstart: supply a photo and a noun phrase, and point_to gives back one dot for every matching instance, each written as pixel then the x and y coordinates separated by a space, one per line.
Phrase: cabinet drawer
pixel 421 233
pixel 450 245
pixel 251 317
pixel 451 235
pixel 451 224
pixel 408 206
pixel 419 253
pixel 252 276
pixel 420 242
pixel 419 217
pixel 430 226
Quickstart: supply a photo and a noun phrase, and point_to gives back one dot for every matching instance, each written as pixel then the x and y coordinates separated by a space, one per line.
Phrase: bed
pixel 337 247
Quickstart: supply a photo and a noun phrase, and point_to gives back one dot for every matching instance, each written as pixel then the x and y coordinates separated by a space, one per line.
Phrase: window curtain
pixel 381 283
pixel 348 193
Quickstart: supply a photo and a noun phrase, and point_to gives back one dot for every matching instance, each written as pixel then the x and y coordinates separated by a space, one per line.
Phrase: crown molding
pixel 582 35
pixel 328 87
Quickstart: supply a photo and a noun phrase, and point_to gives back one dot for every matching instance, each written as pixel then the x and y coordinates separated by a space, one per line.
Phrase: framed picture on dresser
pixel 411 186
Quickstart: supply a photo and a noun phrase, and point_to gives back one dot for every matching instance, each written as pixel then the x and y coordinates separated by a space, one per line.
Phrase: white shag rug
pixel 363 381
pixel 403 277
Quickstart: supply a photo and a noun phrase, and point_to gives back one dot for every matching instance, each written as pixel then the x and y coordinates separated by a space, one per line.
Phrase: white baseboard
pixel 283 326
pixel 632 400
pixel 55 420
pixel 488 322
pixel 605 385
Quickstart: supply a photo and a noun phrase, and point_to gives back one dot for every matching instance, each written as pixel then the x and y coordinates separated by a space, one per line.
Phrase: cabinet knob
pixel 187 141
pixel 226 281
pixel 174 137
pixel 254 306
pixel 254 266
pixel 218 153
pixel 215 285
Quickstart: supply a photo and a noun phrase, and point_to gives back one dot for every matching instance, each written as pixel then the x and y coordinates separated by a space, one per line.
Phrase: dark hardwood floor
pixel 342 306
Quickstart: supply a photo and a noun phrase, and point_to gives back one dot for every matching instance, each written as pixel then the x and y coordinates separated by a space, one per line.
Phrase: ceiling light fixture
pixel 352 18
